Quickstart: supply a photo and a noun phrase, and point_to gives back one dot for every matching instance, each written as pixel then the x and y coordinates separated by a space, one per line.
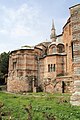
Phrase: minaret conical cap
pixel 53 33
pixel 53 28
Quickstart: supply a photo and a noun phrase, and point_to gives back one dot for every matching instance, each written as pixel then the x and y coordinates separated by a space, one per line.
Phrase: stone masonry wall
pixel 67 87
pixel 75 21
pixel 17 85
pixel 22 64
pixel 67 37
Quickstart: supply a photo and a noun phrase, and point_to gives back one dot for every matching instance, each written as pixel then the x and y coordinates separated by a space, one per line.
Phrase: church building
pixel 48 66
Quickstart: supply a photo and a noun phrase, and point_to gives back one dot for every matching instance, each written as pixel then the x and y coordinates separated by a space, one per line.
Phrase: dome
pixel 56 43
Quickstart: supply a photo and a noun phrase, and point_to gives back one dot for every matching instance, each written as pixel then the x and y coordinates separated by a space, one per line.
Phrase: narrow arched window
pixel 54 49
pixel 60 48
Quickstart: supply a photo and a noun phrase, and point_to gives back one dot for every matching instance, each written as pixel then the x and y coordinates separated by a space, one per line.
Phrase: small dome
pixel 56 43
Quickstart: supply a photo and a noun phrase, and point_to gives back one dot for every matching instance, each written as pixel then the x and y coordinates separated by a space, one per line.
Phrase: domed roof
pixel 56 43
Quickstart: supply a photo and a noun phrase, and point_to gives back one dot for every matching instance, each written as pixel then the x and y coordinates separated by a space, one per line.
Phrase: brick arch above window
pixel 52 49
pixel 60 48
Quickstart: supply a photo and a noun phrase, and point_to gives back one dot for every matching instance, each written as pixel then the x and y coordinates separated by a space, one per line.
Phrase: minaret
pixel 53 34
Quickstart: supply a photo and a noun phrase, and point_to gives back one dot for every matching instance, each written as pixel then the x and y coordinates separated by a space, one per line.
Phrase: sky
pixel 29 22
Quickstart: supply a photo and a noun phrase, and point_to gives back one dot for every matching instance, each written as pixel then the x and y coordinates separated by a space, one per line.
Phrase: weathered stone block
pixel 75 98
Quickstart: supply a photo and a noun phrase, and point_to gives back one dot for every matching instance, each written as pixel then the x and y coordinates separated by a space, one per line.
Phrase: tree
pixel 4 60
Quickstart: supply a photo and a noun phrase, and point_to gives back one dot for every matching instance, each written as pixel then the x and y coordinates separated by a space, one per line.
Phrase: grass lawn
pixel 39 106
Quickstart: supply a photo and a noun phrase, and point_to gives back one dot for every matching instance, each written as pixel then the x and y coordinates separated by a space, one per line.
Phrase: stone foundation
pixel 17 86
pixel 75 98
pixel 64 84
pixel 49 88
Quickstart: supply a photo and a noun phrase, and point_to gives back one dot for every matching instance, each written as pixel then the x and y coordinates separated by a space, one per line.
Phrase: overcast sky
pixel 28 22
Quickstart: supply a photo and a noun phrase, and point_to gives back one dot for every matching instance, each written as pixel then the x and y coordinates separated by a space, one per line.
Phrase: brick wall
pixel 67 37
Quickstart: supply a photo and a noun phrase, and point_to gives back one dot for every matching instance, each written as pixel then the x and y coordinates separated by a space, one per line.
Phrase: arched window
pixel 54 50
pixel 51 68
pixel 60 48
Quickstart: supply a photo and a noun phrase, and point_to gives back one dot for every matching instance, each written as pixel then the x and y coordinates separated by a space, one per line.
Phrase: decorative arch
pixel 60 48
pixel 52 49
